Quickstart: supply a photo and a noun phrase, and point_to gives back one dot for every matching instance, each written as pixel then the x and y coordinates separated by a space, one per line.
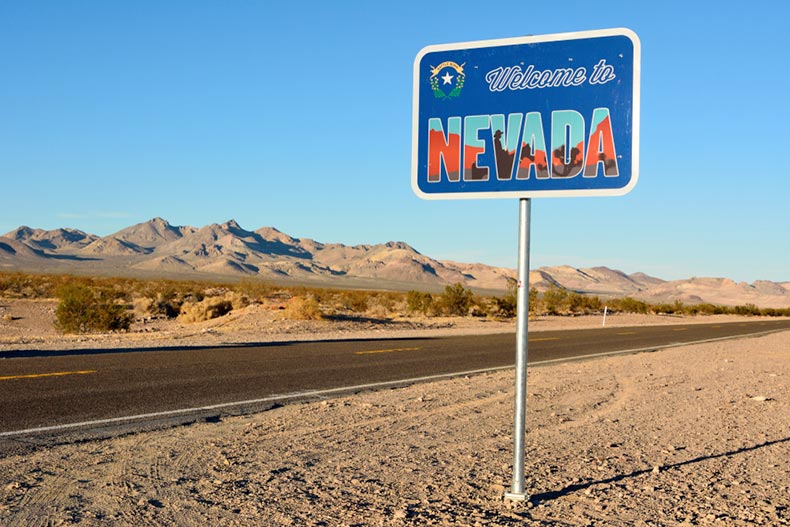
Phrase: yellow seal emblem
pixel 447 80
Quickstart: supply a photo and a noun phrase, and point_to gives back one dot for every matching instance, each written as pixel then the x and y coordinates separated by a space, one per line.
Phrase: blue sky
pixel 298 115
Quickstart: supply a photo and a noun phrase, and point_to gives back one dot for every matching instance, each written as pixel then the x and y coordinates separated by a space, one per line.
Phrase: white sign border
pixel 625 32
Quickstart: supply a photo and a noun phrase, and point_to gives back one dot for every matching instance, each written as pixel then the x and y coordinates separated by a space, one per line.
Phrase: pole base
pixel 516 496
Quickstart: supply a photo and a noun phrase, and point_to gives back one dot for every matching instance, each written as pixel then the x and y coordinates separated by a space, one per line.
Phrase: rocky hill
pixel 157 248
pixel 227 249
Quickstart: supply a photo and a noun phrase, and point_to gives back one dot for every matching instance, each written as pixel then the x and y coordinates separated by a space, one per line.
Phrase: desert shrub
pixel 169 303
pixel 575 302
pixel 504 307
pixel 718 310
pixel 555 300
pixel 419 302
pixel 379 311
pixel 303 308
pixel 237 300
pixel 142 307
pixel 583 304
pixel 212 307
pixel 12 285
pixel 25 285
pixel 507 305
pixel 175 293
pixel 630 305
pixel 354 301
pixel 83 310
pixel 255 290
pixel 748 310
pixel 667 309
pixel 478 310
pixel 164 304
pixel 320 294
pixel 700 309
pixel 22 285
pixel 169 300
pixel 456 300
pixel 206 309
pixel 592 304
pixel 388 300
pixel 534 301
pixel 382 305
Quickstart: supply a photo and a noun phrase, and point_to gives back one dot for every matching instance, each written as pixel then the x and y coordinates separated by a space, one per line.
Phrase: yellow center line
pixel 544 339
pixel 393 350
pixel 39 375
pixel 627 333
pixel 680 329
pixel 716 326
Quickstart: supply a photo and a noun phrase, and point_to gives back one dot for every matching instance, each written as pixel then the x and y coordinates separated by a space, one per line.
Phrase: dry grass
pixel 303 308
pixel 142 307
pixel 211 307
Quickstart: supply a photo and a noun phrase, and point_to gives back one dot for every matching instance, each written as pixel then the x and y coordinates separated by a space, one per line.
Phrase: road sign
pixel 551 115
pixel 554 115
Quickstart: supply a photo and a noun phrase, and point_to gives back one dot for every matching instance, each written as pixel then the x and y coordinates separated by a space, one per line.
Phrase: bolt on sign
pixel 552 115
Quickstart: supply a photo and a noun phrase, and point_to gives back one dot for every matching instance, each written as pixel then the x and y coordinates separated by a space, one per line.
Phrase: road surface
pixel 59 392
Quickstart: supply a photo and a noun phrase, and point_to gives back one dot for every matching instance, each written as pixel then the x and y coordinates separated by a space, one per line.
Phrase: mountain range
pixel 158 249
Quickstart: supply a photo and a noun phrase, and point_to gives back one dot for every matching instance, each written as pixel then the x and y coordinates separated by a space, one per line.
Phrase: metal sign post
pixel 542 116
pixel 522 320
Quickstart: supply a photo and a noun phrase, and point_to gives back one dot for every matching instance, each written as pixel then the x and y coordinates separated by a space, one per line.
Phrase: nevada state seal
pixel 447 80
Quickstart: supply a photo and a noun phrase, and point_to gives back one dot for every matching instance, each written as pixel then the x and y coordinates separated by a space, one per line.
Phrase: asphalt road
pixel 55 390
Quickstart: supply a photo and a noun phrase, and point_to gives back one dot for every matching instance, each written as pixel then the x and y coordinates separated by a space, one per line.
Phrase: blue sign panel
pixel 553 115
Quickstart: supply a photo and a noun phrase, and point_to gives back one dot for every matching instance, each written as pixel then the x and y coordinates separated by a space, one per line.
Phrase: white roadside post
pixel 527 117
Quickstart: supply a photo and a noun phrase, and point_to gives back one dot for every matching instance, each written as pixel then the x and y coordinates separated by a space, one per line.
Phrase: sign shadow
pixel 551 495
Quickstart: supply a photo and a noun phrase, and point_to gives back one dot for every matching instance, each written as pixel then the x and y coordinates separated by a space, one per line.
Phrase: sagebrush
pixel 85 310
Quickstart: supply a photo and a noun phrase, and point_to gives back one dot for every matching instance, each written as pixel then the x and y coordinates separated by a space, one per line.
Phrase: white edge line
pixel 655 348
pixel 358 387
pixel 271 398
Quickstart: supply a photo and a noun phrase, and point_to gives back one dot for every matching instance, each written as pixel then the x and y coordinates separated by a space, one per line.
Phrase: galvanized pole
pixel 522 318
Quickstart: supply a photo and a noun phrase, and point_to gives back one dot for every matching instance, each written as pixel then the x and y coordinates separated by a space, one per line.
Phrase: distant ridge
pixel 158 249
pixel 57 239
pixel 152 233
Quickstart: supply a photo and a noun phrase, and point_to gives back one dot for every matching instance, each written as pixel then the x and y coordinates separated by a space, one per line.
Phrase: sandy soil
pixel 693 435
